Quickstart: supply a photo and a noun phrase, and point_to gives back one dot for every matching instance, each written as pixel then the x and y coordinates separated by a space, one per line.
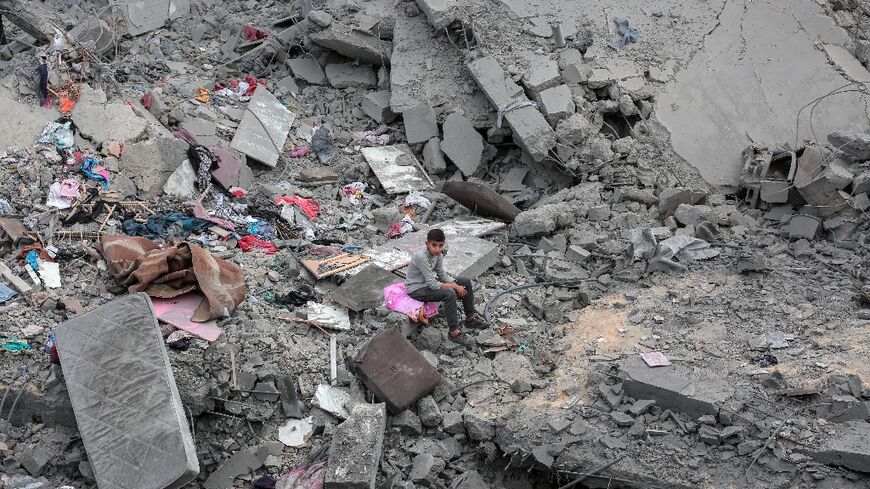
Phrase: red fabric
pixel 147 100
pixel 299 152
pixel 251 33
pixel 253 243
pixel 308 206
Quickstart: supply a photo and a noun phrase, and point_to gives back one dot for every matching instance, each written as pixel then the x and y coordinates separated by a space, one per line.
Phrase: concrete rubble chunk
pixel 308 70
pixel 365 290
pixel 319 174
pixel 673 388
pixel 433 157
pixel 861 183
pixel 478 427
pixel 396 168
pixel 102 121
pixel 141 16
pixel 544 219
pixel 354 44
pixel 671 198
pixel 440 13
pixel 377 106
pixel 848 446
pixel 469 480
pixel 114 356
pixel 264 128
pixel 802 226
pixel 242 463
pixel 543 73
pixel 577 129
pixel 850 66
pixel 853 143
pixel 530 130
pixel 692 215
pixel 429 412
pixel 821 193
pixel 557 103
pixel 838 173
pixel 355 450
pixel 462 143
pixel 203 130
pixel 149 164
pixel 407 422
pixel 420 124
pixel 350 75
pixel 182 182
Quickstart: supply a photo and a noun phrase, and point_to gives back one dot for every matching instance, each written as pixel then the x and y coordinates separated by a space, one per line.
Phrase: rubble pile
pixel 207 210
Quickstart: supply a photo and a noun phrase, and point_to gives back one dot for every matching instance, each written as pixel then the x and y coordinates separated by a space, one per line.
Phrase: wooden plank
pixel 20 285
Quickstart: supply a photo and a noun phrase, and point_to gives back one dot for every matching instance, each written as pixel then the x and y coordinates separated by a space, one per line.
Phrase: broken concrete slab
pixel 182 182
pixel 420 124
pixel 480 199
pixel 673 387
pixel 141 16
pixel 430 69
pixel 440 13
pixel 149 164
pixel 203 130
pixel 854 143
pixel 462 143
pixel 802 226
pixel 396 168
pixel 319 175
pixel 377 106
pixel 354 44
pixel 307 70
pixel 101 121
pixel 124 396
pixel 543 73
pixel 242 463
pixel 328 316
pixel 433 157
pixel 231 171
pixel 530 130
pixel 557 103
pixel 24 123
pixel 286 86
pixel 849 65
pixel 365 290
pixel 350 75
pixel 264 128
pixel 355 450
pixel 735 107
pixel 848 446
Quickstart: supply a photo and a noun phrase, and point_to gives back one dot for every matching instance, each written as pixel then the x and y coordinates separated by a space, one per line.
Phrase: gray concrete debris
pixel 469 480
pixel 355 450
pixel 307 70
pixel 543 74
pixel 397 168
pixel 130 372
pixel 440 13
pixel 847 63
pixel 430 414
pixel 671 198
pixel 377 106
pixel 103 122
pixel 264 128
pixel 350 75
pixel 530 130
pixel 543 220
pixel 182 182
pixel 365 290
pixel 407 422
pixel 286 86
pixel 203 130
pixel 354 44
pixel 433 158
pixel 855 144
pixel 802 226
pixel 140 16
pixel 420 124
pixel 692 215
pixel 577 128
pixel 149 164
pixel 319 175
pixel 242 463
pixel 848 446
pixel 557 103
pixel 462 143
pixel 672 388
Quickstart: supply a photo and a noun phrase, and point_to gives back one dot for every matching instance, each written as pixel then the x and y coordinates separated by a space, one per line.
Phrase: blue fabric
pixel 172 224
pixel 88 165
pixel 32 258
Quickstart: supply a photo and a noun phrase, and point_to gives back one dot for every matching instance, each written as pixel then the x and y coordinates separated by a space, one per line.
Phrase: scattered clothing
pixel 42 74
pixel 371 137
pixel 91 167
pixel 354 193
pixel 140 265
pixel 766 360
pixel 170 225
pixel 61 194
pixel 262 229
pixel 58 133
pixel 200 213
pixel 203 163
pixel 308 206
pixel 626 34
pixel 253 243
pixel 401 228
pixel 416 199
pixel 323 145
pixel 251 33
pixel 300 151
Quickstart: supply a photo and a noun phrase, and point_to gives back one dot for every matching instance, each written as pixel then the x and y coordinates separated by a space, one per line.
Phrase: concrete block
pixel 397 168
pixel 802 226
pixel 691 215
pixel 204 131
pixel 355 450
pixel 182 182
pixel 820 192
pixel 557 103
pixel 861 183
pixel 861 201
pixel 856 144
pixel 351 75
pixel 365 290
pixel 286 86
pixel 377 106
pixel 124 396
pixel 673 387
pixel 850 65
pixel 530 130
pixel 848 446
pixel 102 122
pixel 433 157
pixel 429 412
pixel 671 198
pixel 242 462
pixel 543 74
pixel 838 173
pixel 462 143
pixel 440 13
pixel 577 129
pixel 255 140
pixel 354 44
pixel 420 124
pixel 308 70
pixel 318 174
pixel 150 163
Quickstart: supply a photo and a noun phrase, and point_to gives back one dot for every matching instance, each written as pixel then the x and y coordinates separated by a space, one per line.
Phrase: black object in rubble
pixel 766 360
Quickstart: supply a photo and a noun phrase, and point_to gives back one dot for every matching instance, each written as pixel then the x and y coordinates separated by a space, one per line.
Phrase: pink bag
pixel 396 299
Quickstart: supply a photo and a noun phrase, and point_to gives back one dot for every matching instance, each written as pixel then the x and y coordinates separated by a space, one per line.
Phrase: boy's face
pixel 435 248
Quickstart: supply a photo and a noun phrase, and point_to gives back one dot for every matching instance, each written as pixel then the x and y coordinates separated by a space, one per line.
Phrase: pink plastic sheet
pixel 178 311
pixel 396 299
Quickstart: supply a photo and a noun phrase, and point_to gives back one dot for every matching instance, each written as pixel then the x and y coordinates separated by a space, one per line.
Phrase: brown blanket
pixel 140 265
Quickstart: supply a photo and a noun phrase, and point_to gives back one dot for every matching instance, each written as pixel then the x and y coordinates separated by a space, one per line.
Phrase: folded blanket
pixel 142 266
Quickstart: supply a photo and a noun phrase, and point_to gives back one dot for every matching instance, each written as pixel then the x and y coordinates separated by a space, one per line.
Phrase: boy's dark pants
pixel 447 297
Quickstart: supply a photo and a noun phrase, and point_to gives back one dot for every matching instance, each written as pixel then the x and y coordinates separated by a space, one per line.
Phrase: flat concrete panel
pixel 264 127
pixel 397 168
pixel 124 397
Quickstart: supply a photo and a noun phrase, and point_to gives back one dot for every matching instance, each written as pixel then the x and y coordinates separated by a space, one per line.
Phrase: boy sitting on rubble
pixel 426 281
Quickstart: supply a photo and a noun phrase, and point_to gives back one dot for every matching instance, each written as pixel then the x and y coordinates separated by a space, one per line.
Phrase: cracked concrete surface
pixel 747 85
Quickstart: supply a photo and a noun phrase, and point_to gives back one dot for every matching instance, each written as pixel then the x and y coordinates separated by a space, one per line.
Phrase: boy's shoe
pixel 477 322
pixel 462 339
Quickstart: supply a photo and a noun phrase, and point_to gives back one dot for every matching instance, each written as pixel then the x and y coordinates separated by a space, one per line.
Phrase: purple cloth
pixel 396 299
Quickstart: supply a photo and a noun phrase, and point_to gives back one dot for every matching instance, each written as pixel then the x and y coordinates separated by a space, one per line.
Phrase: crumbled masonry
pixel 207 211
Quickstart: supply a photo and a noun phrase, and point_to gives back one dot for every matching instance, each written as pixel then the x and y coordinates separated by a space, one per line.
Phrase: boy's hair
pixel 436 235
